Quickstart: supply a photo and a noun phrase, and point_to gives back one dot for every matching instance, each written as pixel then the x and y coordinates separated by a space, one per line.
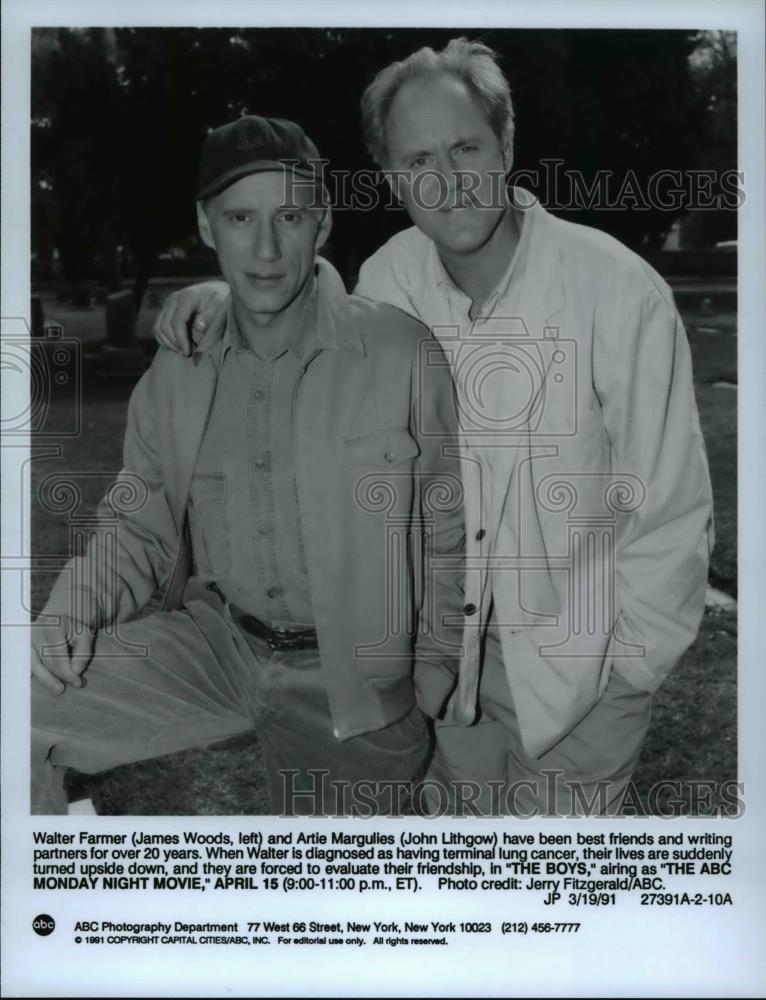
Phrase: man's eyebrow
pixel 462 141
pixel 251 209
pixel 412 155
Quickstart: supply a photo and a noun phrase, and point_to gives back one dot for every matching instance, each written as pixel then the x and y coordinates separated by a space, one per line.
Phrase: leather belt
pixel 279 639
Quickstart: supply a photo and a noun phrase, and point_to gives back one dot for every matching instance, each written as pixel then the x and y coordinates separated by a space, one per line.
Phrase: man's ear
pixel 508 155
pixel 325 227
pixel 203 224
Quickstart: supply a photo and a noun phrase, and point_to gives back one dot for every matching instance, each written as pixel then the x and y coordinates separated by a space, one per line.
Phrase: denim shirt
pixel 244 511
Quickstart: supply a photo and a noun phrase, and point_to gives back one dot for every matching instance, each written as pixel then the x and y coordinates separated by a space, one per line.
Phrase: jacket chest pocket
pixel 384 449
pixel 208 526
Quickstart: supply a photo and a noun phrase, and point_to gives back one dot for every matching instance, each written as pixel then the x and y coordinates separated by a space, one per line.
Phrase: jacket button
pixel 469 609
pixel 259 463
pixel 273 591
pixel 263 529
pixel 389 456
pixel 480 534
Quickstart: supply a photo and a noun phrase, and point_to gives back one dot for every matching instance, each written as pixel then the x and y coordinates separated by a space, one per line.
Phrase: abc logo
pixel 43 925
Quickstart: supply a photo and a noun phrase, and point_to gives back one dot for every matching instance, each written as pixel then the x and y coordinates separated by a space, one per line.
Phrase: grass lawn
pixel 694 725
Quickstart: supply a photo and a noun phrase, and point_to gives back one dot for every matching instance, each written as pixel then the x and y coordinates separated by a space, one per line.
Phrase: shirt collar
pixel 520 204
pixel 337 319
pixel 336 324
pixel 302 340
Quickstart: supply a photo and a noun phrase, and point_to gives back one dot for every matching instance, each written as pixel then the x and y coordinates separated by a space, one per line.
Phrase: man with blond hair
pixel 588 501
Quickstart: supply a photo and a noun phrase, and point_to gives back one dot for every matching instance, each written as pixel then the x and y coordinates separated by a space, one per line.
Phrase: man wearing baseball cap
pixel 298 500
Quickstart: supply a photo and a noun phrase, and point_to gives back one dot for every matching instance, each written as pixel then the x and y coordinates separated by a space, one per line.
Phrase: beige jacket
pixel 379 493
pixel 588 499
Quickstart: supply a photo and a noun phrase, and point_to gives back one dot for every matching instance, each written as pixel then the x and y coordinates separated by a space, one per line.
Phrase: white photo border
pixel 714 953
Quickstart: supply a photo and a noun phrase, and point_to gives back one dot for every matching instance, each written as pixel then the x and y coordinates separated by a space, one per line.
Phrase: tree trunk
pixel 111 272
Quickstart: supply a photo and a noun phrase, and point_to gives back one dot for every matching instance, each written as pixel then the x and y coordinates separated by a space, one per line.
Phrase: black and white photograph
pixel 333 595
pixel 376 427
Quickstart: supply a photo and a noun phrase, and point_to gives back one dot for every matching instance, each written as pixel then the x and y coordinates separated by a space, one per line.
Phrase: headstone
pixel 121 319
pixel 673 238
pixel 121 354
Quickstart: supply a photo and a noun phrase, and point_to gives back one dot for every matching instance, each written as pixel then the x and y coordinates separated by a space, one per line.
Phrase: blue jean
pixel 198 680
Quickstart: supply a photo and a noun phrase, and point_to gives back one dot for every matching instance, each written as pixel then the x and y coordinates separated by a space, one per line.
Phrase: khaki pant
pixel 484 770
pixel 192 678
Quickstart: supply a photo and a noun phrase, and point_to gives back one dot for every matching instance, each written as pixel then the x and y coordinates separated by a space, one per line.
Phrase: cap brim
pixel 223 181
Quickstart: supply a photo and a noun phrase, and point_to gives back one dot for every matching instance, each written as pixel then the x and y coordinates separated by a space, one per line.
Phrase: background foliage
pixel 119 115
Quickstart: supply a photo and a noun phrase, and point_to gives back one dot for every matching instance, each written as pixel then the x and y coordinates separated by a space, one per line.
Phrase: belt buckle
pixel 282 638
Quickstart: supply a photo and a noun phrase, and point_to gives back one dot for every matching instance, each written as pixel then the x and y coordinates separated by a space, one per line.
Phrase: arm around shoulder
pixel 380 279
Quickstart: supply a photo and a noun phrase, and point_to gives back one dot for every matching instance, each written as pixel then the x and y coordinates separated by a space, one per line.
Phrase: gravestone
pixel 121 320
pixel 121 354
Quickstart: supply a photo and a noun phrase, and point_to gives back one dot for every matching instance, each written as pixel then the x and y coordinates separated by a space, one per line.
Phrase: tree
pixel 713 64
pixel 119 117
pixel 74 159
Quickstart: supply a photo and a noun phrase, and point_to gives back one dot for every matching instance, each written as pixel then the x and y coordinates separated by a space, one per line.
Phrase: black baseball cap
pixel 252 145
